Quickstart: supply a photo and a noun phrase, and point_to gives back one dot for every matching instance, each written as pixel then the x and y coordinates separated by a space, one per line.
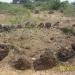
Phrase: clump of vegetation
pixel 68 30
pixel 43 4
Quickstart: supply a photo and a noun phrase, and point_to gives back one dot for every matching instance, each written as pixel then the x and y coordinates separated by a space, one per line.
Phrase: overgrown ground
pixel 31 41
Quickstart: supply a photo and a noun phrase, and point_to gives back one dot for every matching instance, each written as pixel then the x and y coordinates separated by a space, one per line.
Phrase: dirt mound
pixel 20 63
pixel 4 50
pixel 65 54
pixel 45 61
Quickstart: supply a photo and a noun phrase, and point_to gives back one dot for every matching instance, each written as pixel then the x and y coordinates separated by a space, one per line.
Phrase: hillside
pixel 36 42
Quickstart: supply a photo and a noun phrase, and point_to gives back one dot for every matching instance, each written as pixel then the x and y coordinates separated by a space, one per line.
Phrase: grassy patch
pixel 17 13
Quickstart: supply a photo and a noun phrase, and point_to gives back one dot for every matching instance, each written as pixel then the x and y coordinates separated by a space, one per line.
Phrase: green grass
pixel 17 12
pixel 13 8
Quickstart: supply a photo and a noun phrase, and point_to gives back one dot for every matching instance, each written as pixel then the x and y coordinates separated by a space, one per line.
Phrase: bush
pixel 29 6
pixel 68 30
pixel 69 11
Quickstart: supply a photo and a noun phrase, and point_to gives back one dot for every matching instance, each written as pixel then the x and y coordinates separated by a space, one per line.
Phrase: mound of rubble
pixel 45 61
pixel 4 50
pixel 21 63
pixel 64 54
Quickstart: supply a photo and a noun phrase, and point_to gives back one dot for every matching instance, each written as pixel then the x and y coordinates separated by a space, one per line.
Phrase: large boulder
pixel 45 61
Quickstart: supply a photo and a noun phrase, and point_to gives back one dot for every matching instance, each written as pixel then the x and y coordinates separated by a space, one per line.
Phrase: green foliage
pixel 54 4
pixel 18 12
pixel 68 31
pixel 29 5
pixel 43 4
pixel 70 11
pixel 64 4
pixel 13 9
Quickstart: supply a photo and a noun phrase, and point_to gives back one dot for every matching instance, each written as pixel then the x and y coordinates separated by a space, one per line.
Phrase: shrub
pixel 68 30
